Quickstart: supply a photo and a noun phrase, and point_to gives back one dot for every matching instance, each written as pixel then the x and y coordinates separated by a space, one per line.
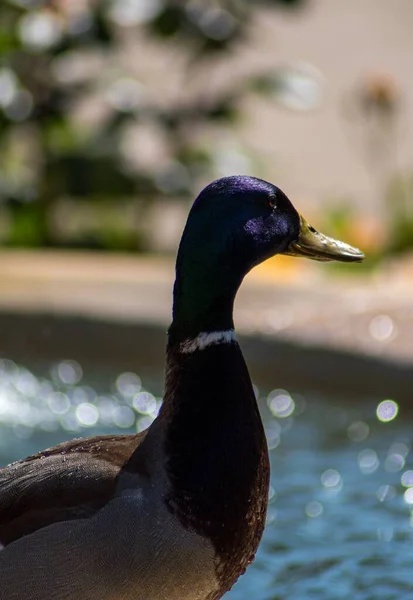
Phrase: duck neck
pixel 202 303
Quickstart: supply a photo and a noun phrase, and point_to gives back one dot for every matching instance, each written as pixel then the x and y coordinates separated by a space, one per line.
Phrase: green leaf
pixel 168 22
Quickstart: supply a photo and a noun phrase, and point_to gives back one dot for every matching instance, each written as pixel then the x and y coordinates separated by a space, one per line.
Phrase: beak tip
pixel 356 255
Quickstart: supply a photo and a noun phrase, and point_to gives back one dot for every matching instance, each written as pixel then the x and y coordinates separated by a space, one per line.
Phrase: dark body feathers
pixel 219 483
pixel 70 481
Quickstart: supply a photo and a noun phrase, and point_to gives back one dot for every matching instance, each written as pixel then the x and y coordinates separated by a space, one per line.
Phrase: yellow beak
pixel 315 245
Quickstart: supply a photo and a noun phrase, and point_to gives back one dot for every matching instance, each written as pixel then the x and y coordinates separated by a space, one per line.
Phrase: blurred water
pixel 339 520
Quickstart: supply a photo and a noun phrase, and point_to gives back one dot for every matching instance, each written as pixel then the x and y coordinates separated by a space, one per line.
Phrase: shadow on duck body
pixel 177 511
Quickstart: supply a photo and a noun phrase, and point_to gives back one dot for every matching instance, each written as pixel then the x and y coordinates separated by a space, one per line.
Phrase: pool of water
pixel 340 519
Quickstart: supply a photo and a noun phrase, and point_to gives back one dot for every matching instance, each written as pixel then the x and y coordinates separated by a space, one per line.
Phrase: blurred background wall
pixel 113 114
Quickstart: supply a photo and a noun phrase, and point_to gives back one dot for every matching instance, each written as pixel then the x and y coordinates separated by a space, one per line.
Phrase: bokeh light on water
pixel 387 410
pixel 280 403
pixel 59 401
pixel 340 517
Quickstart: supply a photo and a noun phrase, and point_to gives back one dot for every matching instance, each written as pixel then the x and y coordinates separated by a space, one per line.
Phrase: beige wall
pixel 324 154
pixel 318 156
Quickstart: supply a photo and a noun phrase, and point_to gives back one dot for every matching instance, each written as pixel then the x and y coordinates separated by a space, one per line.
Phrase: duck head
pixel 236 223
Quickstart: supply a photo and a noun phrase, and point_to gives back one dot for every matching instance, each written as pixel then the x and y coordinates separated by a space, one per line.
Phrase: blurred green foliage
pixel 57 59
pixel 391 234
pixel 399 200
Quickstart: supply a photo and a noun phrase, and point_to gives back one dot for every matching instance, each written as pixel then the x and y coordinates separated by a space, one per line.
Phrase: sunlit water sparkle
pixel 340 518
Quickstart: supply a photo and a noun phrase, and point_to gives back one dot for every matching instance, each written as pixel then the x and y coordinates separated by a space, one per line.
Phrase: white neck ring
pixel 209 338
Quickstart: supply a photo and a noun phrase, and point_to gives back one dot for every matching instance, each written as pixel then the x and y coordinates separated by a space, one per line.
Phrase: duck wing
pixel 69 481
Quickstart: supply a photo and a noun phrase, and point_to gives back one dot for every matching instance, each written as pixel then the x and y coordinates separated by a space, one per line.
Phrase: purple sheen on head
pixel 236 185
pixel 257 229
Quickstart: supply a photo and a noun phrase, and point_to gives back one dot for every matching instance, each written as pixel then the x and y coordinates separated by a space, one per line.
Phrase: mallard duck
pixel 175 512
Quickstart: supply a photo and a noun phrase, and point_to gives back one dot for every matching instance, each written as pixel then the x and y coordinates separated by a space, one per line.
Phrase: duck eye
pixel 272 202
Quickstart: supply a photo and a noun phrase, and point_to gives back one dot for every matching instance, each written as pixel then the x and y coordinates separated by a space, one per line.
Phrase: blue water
pixel 340 521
